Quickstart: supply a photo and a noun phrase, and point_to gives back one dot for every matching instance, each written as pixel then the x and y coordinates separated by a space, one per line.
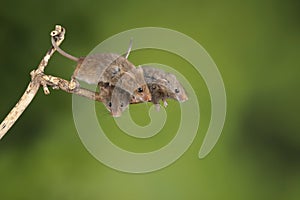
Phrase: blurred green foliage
pixel 256 46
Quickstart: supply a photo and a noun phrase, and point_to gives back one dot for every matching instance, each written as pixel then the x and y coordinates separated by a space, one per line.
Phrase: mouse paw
pixel 73 84
pixel 157 107
pixel 165 103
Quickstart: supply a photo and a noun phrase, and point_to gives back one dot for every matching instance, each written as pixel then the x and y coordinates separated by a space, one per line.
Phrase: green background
pixel 256 47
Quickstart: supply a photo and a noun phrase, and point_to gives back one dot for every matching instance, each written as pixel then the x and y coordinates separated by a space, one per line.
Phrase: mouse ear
pixel 162 82
pixel 165 85
pixel 140 69
pixel 129 74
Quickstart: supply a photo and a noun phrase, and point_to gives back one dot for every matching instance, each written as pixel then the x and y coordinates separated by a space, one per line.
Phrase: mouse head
pixel 170 86
pixel 112 72
pixel 118 102
pixel 174 88
pixel 133 82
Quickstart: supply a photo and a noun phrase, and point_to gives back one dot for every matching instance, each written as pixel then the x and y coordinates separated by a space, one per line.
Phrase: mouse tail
pixel 129 48
pixel 62 52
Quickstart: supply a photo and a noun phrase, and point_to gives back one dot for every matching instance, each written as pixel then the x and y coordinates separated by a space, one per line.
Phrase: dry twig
pixel 38 78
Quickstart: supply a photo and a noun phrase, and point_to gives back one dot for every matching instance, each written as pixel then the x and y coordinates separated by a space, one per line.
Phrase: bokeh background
pixel 256 46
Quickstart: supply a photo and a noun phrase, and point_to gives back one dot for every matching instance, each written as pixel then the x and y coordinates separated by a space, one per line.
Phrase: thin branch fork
pixel 38 78
pixel 67 86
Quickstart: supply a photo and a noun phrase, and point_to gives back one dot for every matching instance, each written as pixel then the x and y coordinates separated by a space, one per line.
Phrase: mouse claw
pixel 157 107
pixel 165 103
pixel 73 84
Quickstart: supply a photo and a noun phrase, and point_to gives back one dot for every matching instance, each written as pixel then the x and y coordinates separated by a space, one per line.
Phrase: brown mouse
pixel 163 85
pixel 174 88
pixel 115 99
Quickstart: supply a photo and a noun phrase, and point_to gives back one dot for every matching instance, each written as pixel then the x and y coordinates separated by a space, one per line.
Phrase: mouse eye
pixel 140 89
pixel 117 70
pixel 176 90
pixel 105 84
pixel 122 105
pixel 153 87
pixel 109 104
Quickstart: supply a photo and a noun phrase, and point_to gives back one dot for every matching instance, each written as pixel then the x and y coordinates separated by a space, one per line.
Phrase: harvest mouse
pixel 163 85
pixel 115 99
pixel 135 84
pixel 108 68
pixel 168 80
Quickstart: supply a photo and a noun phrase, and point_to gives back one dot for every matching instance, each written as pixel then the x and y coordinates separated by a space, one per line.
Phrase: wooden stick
pixel 33 86
pixel 67 86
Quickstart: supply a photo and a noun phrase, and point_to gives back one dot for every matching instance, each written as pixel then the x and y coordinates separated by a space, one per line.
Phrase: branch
pixel 33 86
pixel 67 86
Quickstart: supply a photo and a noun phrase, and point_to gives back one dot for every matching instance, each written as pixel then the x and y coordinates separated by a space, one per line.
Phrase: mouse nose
pixel 116 113
pixel 183 98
